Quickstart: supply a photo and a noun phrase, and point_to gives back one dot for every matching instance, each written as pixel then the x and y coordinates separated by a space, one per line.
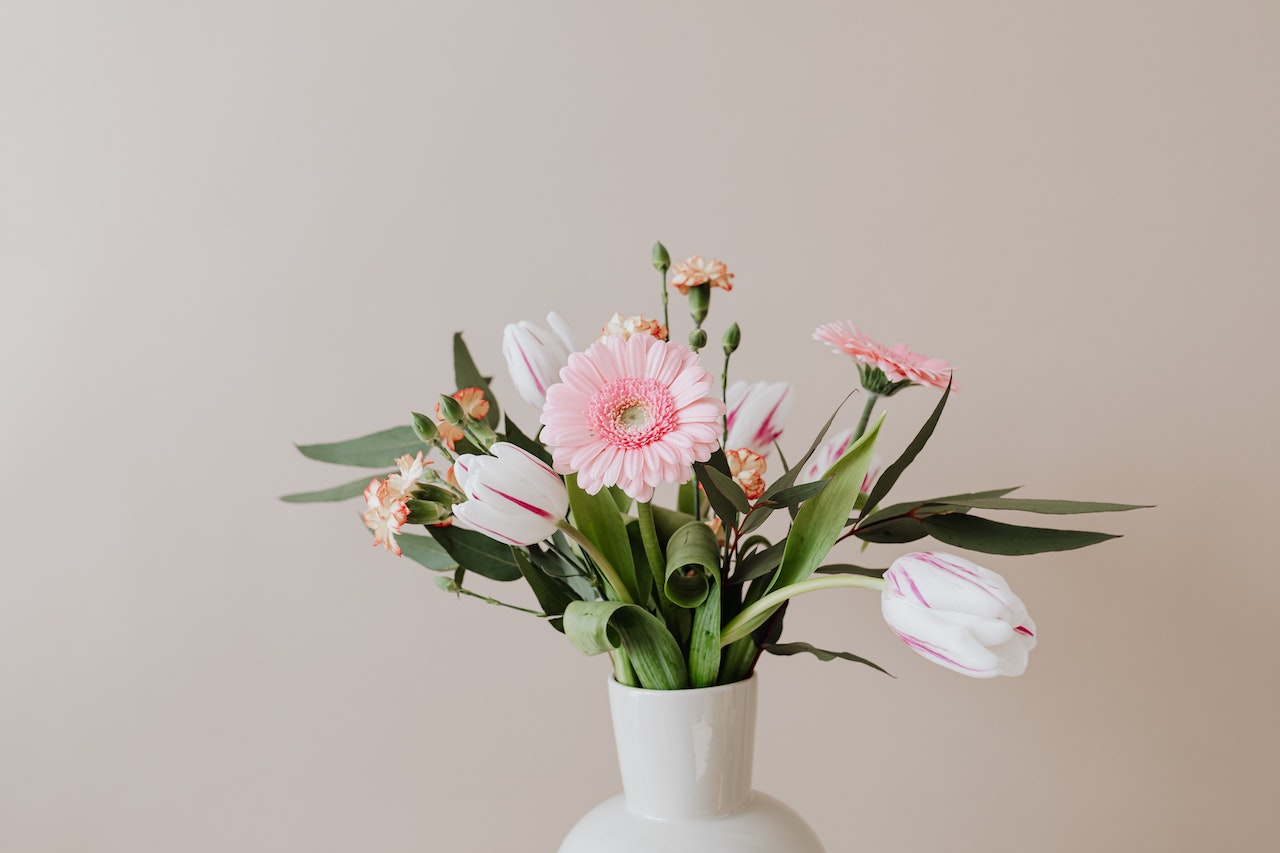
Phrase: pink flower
pixel 411 470
pixel 747 469
pixel 385 516
pixel 633 413
pixel 829 453
pixel 897 362
pixel 696 271
pixel 958 614
pixel 637 325
pixel 757 413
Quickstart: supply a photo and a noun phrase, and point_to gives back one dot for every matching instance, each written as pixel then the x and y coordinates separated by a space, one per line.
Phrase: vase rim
pixel 614 684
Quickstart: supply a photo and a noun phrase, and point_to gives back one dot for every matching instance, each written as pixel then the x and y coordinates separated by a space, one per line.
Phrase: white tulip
pixel 511 496
pixel 958 614
pixel 535 356
pixel 757 414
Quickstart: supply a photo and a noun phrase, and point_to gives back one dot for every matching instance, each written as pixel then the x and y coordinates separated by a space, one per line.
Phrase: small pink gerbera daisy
pixel 632 412
pixel 897 362
pixel 747 469
pixel 696 271
pixel 385 516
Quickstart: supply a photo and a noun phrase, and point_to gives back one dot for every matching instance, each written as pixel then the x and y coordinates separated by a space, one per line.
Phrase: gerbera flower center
pixel 632 412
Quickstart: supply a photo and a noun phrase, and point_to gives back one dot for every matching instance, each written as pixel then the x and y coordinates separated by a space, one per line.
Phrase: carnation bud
pixel 426 512
pixel 699 302
pixel 732 337
pixel 697 339
pixel 425 428
pixel 451 410
pixel 661 260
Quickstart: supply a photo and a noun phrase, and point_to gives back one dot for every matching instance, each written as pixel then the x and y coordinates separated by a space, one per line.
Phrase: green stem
pixel 866 415
pixel 606 568
pixel 463 591
pixel 724 395
pixel 649 536
pixel 666 317
pixel 756 613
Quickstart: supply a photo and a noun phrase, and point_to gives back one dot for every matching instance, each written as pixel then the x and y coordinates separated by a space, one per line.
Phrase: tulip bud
pixel 425 428
pixel 535 356
pixel 697 339
pixel 661 260
pixel 958 615
pixel 699 302
pixel 511 496
pixel 451 410
pixel 757 413
pixel 732 337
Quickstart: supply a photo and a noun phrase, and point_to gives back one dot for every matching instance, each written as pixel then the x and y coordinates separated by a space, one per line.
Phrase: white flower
pixel 535 356
pixel 958 614
pixel 757 414
pixel 829 453
pixel 511 496
pixel 412 469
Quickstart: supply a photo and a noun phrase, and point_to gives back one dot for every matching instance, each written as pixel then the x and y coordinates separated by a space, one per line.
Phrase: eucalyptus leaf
pixel 892 530
pixel 797 495
pixel 600 626
pixel 994 537
pixel 890 476
pixel 467 375
pixel 1048 507
pixel 759 564
pixel 425 551
pixel 724 506
pixel 477 553
pixel 334 493
pixel 820 654
pixel 375 450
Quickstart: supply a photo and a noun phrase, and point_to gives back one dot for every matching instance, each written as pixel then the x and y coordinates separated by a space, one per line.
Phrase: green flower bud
pixel 425 428
pixel 697 339
pixel 699 302
pixel 451 410
pixel 661 260
pixel 732 337
pixel 426 512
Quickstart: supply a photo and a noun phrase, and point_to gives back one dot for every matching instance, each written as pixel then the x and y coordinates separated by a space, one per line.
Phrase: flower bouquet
pixel 690 591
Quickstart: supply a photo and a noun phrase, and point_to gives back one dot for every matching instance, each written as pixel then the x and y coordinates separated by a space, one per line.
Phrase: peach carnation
pixel 637 325
pixel 747 469
pixel 385 515
pixel 412 469
pixel 474 406
pixel 696 271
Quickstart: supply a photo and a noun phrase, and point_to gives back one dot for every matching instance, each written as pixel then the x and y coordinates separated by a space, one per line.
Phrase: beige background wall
pixel 228 226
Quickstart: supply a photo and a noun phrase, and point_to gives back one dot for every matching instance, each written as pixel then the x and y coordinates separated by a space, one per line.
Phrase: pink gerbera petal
pixel 631 412
pixel 898 362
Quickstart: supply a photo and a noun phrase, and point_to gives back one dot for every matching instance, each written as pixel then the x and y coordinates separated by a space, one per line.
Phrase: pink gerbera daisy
pixel 898 362
pixel 631 412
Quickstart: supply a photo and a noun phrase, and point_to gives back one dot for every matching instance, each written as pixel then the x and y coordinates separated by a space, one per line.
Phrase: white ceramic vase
pixel 686 757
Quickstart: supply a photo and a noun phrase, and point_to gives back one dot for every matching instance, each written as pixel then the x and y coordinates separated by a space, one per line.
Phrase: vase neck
pixel 685 753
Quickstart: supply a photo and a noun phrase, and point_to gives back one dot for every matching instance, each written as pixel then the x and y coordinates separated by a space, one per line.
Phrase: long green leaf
pixel 994 537
pixel 820 520
pixel 335 493
pixel 892 531
pixel 693 564
pixel 1047 507
pixel 720 501
pixel 820 654
pixel 477 553
pixel 598 518
pixel 426 551
pixel 704 639
pixel 886 480
pixel 375 450
pixel 467 375
pixel 787 479
pixel 553 595
pixel 600 626
pixel 759 564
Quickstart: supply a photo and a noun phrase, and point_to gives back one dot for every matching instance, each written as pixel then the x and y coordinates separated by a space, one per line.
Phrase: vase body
pixel 686 759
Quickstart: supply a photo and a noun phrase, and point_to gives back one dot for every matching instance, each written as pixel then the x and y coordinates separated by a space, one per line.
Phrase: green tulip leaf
pixel 601 626
pixel 704 638
pixel 598 518
pixel 693 564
